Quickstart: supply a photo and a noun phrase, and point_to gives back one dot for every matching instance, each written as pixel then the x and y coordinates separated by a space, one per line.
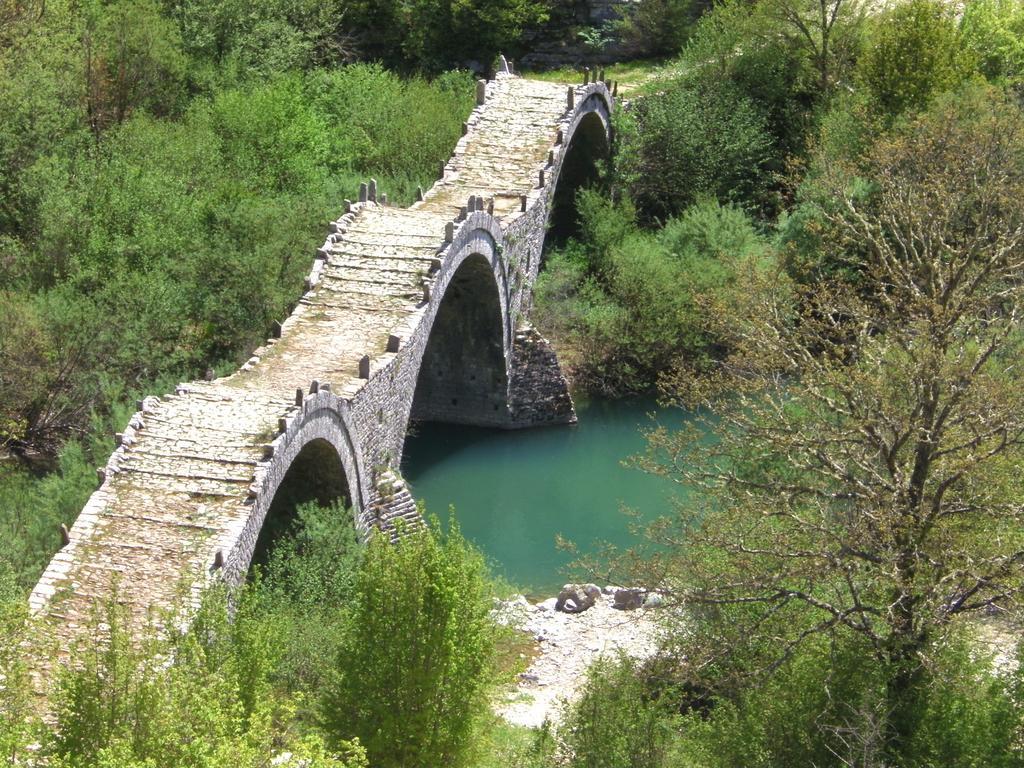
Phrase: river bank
pixel 567 644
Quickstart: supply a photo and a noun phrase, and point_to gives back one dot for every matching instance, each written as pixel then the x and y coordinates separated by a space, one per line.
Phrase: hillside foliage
pixel 809 226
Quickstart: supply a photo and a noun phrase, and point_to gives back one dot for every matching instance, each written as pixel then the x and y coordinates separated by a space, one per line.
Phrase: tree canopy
pixel 863 483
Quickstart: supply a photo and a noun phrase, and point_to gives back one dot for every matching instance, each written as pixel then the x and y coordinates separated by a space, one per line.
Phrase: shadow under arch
pixel 580 169
pixel 316 474
pixel 463 377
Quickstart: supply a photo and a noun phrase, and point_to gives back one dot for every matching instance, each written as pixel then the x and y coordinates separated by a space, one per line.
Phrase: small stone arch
pixel 480 235
pixel 317 437
pixel 316 474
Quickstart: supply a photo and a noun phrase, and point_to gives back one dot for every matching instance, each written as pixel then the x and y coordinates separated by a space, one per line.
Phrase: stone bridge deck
pixel 186 491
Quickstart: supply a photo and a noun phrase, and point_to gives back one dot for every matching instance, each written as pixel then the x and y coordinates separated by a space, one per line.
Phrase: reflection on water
pixel 514 492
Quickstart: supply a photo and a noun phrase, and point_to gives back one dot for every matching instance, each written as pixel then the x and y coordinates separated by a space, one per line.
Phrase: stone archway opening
pixel 316 475
pixel 462 378
pixel 580 170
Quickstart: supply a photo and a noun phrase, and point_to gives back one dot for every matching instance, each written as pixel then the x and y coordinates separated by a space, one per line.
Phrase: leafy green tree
pixel 774 54
pixel 415 653
pixel 133 60
pixel 230 40
pixel 40 119
pixel 698 140
pixel 826 30
pixel 993 33
pixel 617 723
pixel 863 483
pixel 915 53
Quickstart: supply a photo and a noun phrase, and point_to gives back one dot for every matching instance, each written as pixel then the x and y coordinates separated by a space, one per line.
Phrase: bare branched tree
pixel 864 478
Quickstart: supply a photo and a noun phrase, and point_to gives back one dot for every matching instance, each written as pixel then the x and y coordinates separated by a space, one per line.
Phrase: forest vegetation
pixel 809 228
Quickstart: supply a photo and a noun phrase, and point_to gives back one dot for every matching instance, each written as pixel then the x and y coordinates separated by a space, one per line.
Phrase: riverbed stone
pixel 654 600
pixel 566 646
pixel 629 598
pixel 576 598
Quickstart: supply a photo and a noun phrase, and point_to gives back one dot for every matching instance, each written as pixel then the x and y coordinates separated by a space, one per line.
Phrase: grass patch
pixel 503 745
pixel 515 651
pixel 634 77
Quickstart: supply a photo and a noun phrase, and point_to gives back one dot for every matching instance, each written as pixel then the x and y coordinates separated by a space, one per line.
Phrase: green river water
pixel 514 491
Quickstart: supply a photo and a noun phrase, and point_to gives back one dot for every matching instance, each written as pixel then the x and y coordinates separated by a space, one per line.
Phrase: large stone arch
pixel 462 370
pixel 322 424
pixel 463 374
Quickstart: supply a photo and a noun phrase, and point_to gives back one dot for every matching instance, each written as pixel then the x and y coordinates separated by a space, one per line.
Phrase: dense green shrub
pixel 32 509
pixel 124 704
pixel 415 652
pixel 993 33
pixel 695 140
pixel 306 584
pixel 617 722
pixel 172 245
pixel 16 701
pixel 825 706
pixel 822 707
pixel 229 39
pixel 660 27
pixel 237 687
pixel 433 35
pixel 753 51
pixel 370 111
pixel 625 305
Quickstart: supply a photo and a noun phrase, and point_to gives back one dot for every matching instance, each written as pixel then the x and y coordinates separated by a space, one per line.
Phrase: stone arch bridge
pixel 415 313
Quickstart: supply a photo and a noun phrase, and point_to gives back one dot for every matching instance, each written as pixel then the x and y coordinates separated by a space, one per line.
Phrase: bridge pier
pixel 538 393
pixel 394 508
